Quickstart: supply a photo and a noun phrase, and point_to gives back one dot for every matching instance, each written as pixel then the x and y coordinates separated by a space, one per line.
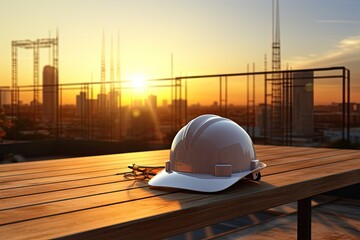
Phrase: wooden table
pixel 83 197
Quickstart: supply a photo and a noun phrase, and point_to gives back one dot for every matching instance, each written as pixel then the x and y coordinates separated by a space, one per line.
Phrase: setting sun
pixel 138 82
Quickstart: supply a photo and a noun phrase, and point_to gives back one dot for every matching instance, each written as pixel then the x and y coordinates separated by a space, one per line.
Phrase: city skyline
pixel 204 37
pixel 139 88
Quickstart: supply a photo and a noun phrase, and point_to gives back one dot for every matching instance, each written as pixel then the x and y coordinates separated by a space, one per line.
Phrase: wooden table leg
pixel 304 219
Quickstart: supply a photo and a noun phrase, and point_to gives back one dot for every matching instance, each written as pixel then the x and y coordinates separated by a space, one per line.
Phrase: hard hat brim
pixel 198 182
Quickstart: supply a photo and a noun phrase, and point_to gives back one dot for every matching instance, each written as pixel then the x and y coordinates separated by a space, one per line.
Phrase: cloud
pixel 345 53
pixel 351 42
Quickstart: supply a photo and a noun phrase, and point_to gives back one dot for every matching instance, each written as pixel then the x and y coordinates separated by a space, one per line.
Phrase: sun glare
pixel 138 82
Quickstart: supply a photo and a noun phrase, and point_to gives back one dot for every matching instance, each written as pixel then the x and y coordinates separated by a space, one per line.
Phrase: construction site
pixel 277 106
pixel 95 128
pixel 286 114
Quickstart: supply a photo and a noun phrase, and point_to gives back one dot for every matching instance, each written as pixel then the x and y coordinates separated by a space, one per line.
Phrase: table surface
pixel 84 197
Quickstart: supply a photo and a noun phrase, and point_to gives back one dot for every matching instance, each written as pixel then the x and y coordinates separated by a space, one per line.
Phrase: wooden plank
pixel 39 173
pixel 278 159
pixel 51 187
pixel 309 155
pixel 33 180
pixel 84 220
pixel 100 163
pixel 50 164
pixel 280 152
pixel 56 179
pixel 301 163
pixel 31 212
pixel 27 200
pixel 55 173
pixel 271 193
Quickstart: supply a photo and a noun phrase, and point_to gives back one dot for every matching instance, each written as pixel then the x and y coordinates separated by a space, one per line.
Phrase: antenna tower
pixel 276 133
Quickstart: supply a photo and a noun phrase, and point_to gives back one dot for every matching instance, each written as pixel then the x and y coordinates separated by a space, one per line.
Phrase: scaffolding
pixel 90 125
pixel 287 82
pixel 35 45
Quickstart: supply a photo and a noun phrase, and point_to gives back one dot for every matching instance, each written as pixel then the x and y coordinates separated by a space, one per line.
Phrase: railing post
pixel 304 219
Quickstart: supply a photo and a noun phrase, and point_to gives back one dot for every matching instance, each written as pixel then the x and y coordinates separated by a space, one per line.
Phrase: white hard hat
pixel 209 154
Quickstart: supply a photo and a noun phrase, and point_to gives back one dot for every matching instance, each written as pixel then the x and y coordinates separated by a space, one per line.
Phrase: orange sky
pixel 203 37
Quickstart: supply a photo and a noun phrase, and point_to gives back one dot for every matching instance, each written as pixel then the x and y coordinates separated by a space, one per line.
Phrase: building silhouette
pixel 263 119
pixel 81 104
pixel 303 105
pixel 180 107
pixel 113 100
pixel 50 94
pixel 102 104
pixel 5 96
pixel 152 102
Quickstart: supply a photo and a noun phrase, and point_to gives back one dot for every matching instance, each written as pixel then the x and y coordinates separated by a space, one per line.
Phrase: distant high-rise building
pixel 152 102
pixel 113 100
pixel 180 106
pixel 5 96
pixel 263 119
pixel 50 94
pixel 303 104
pixel 81 104
pixel 164 103
pixel 102 103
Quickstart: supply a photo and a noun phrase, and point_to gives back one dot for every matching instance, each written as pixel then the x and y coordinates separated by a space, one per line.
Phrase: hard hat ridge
pixel 196 127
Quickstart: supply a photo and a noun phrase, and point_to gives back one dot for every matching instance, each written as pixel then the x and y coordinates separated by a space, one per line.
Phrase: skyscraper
pixel 50 94
pixel 152 102
pixel 303 104
pixel 81 105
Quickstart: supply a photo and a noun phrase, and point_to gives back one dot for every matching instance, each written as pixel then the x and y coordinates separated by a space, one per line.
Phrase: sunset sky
pixel 204 36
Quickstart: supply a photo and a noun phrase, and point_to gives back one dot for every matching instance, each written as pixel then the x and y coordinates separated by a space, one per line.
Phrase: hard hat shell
pixel 209 154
